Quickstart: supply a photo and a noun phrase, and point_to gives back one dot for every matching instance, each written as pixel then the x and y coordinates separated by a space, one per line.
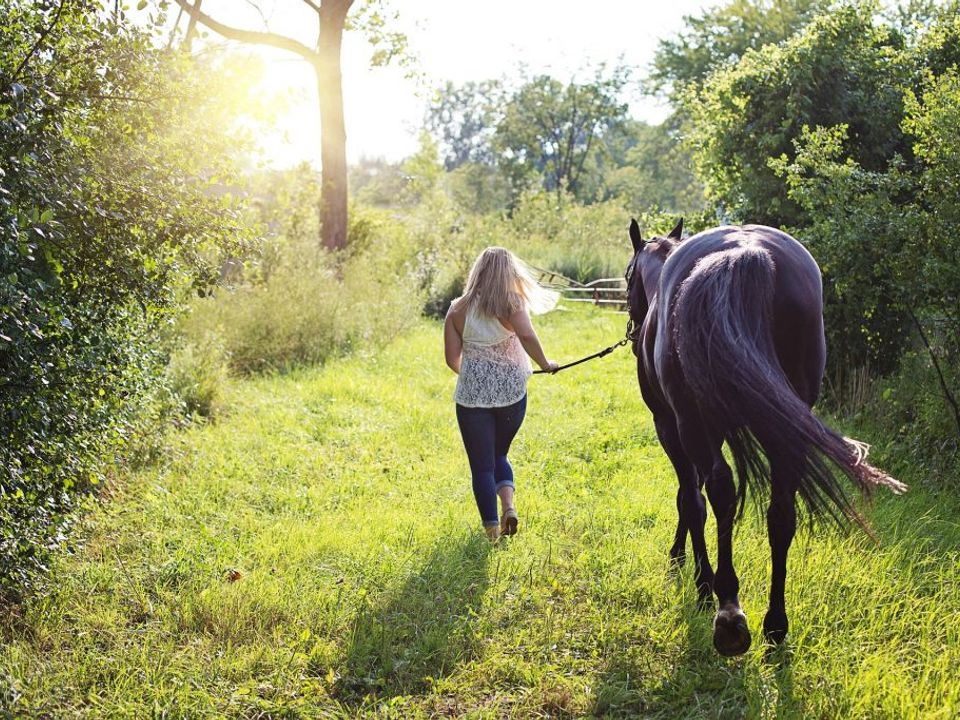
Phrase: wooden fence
pixel 606 292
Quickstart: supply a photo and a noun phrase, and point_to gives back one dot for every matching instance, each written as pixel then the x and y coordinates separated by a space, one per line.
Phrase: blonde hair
pixel 500 284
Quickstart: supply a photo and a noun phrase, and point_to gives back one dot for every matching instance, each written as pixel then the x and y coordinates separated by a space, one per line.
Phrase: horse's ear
pixel 677 232
pixel 635 235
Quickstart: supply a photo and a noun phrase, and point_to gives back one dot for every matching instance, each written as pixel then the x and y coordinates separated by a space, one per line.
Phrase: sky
pixel 452 40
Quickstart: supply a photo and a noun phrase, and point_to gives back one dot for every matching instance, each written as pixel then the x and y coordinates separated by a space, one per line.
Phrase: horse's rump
pixel 723 321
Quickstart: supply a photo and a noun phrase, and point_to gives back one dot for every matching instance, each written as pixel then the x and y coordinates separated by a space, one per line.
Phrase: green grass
pixel 340 497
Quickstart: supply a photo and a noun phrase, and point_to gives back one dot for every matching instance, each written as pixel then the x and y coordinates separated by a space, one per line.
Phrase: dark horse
pixel 730 348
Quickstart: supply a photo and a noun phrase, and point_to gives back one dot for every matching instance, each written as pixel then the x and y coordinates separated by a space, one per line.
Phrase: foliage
pixel 865 247
pixel 500 142
pixel 550 130
pixel 104 221
pixel 285 205
pixel 376 20
pixel 196 374
pixel 464 118
pixel 652 168
pixel 843 68
pixel 583 242
pixel 478 188
pixel 307 306
pixel 722 35
pixel 888 238
pixel 422 172
pixel 317 553
pixel 907 410
pixel 376 182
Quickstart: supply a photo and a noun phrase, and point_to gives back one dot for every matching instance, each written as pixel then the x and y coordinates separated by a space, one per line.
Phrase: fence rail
pixel 607 292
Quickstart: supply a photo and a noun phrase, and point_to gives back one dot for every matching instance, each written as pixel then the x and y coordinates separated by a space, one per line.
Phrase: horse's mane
pixel 662 246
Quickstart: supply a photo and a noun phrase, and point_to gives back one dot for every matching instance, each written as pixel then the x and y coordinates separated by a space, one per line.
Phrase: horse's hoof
pixel 731 636
pixel 677 560
pixel 775 637
pixel 775 627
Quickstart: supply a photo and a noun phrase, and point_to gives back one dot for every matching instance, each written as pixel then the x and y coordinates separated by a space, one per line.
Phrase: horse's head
pixel 643 272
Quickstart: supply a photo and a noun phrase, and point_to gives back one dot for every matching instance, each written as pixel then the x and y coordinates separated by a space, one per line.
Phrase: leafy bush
pixel 844 67
pixel 906 410
pixel 196 374
pixel 307 310
pixel 99 237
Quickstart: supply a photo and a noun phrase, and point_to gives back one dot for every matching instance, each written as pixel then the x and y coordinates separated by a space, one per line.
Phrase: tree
pixel 651 167
pixel 843 68
pixel 549 130
pixel 324 58
pixel 463 119
pixel 722 35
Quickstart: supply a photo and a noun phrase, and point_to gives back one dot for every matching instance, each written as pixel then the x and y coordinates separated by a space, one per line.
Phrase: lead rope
pixel 630 336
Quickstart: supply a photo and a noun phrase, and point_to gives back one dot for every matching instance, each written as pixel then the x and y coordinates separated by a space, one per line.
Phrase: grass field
pixel 317 553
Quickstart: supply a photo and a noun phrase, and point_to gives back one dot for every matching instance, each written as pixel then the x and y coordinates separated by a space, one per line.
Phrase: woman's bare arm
pixel 520 322
pixel 452 343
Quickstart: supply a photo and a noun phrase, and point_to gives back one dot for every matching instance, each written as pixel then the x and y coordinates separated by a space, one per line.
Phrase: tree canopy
pixel 722 35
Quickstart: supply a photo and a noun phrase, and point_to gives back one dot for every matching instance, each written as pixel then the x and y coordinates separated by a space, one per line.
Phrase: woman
pixel 487 337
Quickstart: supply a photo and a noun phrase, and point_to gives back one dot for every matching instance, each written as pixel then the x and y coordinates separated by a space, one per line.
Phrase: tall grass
pixel 308 308
pixel 196 374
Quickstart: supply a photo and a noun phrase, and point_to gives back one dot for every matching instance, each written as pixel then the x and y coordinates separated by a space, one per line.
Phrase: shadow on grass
pixel 664 680
pixel 688 679
pixel 421 630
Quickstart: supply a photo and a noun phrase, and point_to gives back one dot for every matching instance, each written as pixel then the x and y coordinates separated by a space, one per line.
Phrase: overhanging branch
pixel 948 396
pixel 251 36
pixel 36 46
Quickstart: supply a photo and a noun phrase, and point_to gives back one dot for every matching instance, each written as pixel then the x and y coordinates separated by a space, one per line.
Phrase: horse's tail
pixel 723 319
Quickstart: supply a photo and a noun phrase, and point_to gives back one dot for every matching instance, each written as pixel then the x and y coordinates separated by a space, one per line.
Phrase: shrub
pixel 309 309
pixel 907 410
pixel 100 235
pixel 196 374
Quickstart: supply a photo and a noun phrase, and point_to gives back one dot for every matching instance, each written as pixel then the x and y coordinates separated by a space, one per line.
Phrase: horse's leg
pixel 805 372
pixel 731 635
pixel 693 510
pixel 666 426
pixel 691 505
pixel 781 527
pixel 678 551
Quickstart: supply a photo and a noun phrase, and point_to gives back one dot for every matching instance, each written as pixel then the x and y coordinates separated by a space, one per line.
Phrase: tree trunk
pixel 191 27
pixel 333 135
pixel 325 60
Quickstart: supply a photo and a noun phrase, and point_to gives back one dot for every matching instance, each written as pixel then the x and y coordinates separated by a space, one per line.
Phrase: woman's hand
pixel 551 367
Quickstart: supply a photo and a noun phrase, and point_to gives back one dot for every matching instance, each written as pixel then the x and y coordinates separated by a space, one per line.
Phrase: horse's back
pixel 796 322
pixel 792 259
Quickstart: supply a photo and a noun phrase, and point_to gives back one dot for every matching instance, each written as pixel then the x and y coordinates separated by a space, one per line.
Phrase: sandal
pixel 508 525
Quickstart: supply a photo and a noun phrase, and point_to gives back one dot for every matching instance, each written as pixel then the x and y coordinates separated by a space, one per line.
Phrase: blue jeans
pixel 487 434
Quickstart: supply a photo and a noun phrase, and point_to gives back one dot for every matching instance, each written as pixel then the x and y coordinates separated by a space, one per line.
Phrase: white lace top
pixel 494 366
